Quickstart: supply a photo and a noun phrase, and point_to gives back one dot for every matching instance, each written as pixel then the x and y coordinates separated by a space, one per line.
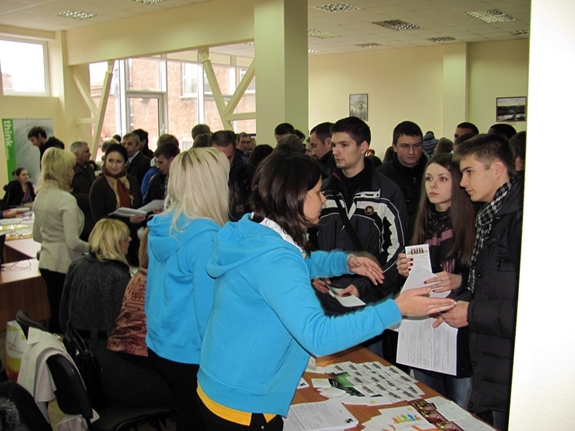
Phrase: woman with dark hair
pixel 19 191
pixel 250 367
pixel 445 221
pixel 259 153
pixel 116 189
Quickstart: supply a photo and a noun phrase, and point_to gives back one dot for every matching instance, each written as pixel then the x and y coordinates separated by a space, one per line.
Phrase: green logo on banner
pixel 9 144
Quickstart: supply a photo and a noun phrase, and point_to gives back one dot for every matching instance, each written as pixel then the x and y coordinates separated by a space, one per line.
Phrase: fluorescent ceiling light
pixel 313 51
pixel 368 45
pixel 337 7
pixel 490 16
pixel 397 25
pixel 519 32
pixel 321 34
pixel 442 39
pixel 148 1
pixel 76 14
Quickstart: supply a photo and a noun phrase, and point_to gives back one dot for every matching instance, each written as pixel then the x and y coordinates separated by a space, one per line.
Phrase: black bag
pixel 88 365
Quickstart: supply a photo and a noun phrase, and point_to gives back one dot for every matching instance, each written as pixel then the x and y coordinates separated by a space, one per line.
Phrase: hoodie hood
pixel 163 243
pixel 239 242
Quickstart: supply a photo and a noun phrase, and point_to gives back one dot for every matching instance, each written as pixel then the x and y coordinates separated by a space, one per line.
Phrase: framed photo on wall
pixel 511 109
pixel 358 106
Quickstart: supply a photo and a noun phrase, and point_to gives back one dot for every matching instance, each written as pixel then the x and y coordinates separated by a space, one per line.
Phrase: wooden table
pixel 22 287
pixel 358 355
pixel 20 249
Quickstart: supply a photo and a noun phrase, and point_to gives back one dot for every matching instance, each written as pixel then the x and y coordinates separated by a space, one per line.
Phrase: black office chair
pixel 26 322
pixel 73 398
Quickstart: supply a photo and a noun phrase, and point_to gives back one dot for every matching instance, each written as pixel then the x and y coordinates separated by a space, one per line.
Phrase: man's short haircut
pixel 199 129
pixel 504 129
pixel 166 138
pixel 443 146
pixel 322 131
pixel 240 135
pixel 407 128
pixel 487 149
pixel 202 140
pixel 356 128
pixel 466 125
pixel 142 134
pixel 518 143
pixel 463 138
pixel 35 131
pixel 284 129
pixel 77 146
pixel 291 141
pixel 132 135
pixel 299 134
pixel 223 139
pixel 167 150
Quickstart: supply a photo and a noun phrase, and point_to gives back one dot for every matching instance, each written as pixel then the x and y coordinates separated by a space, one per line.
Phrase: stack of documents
pixel 322 416
pixel 368 383
pixel 426 415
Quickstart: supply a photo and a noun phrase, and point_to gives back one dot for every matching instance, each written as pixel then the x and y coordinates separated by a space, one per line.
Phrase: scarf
pixel 121 187
pixel 483 224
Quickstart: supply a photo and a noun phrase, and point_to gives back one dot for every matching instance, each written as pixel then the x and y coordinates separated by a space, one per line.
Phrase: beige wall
pixel 497 69
pixel 408 84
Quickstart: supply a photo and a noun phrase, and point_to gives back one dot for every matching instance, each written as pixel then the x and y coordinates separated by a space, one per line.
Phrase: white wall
pixel 543 392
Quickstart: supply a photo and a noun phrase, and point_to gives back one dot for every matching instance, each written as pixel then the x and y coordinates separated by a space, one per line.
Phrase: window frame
pixel 44 45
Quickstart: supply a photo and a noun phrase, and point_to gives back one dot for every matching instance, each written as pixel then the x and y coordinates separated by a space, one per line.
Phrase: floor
pixel 55 413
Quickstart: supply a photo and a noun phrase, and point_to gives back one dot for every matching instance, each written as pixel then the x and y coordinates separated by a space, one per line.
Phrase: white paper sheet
pixel 416 279
pixel 324 415
pixel 421 346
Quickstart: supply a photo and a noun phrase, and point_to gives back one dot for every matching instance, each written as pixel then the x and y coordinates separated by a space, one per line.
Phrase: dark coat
pixel 328 165
pixel 156 189
pixel 138 167
pixel 493 307
pixel 103 202
pixel 409 182
pixel 81 185
pixel 15 194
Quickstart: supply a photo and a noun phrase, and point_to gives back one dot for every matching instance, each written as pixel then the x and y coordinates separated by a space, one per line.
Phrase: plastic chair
pixel 73 399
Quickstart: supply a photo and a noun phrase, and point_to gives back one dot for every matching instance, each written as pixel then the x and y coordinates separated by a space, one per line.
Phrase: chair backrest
pixel 70 391
pixel 26 322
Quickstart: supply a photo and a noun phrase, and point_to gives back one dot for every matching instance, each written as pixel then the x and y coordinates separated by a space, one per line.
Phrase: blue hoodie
pixel 179 292
pixel 267 319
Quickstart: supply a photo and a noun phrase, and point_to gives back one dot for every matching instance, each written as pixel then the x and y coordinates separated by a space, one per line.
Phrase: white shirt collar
pixel 277 228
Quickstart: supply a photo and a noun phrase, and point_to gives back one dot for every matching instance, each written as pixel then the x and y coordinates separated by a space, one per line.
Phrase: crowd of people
pixel 231 293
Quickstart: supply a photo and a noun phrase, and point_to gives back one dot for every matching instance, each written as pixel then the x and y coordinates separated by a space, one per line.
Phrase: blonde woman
pixel 92 301
pixel 58 223
pixel 180 293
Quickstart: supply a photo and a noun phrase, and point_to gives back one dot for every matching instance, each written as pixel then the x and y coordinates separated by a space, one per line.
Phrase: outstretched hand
pixel 366 267
pixel 416 302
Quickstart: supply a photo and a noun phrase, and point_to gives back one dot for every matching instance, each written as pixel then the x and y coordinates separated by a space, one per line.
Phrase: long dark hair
pixel 279 190
pixel 461 213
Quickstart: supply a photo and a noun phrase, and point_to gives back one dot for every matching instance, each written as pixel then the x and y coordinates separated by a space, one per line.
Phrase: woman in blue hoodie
pixel 179 293
pixel 266 318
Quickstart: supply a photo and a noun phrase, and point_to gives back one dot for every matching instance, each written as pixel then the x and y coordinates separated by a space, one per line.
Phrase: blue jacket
pixel 267 320
pixel 179 293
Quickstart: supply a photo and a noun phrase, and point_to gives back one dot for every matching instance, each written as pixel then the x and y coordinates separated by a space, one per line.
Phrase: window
pixel 190 79
pixel 24 66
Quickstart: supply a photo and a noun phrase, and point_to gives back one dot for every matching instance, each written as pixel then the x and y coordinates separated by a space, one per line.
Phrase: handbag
pixel 88 366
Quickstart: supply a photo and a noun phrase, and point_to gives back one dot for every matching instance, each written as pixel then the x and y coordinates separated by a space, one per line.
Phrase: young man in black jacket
pixel 489 302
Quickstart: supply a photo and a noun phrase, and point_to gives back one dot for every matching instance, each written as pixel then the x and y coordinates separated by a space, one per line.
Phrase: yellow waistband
pixel 229 414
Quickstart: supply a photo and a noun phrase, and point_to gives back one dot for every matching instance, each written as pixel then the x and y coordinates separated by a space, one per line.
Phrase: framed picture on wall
pixel 511 109
pixel 358 106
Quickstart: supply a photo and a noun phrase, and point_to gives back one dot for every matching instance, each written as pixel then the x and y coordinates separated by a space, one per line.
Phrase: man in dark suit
pixel 138 163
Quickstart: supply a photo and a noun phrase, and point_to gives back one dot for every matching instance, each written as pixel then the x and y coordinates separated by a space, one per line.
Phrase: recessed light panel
pixel 313 51
pixel 76 14
pixel 320 34
pixel 442 39
pixel 337 7
pixel 397 25
pixel 148 1
pixel 490 16
pixel 368 45
pixel 519 32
